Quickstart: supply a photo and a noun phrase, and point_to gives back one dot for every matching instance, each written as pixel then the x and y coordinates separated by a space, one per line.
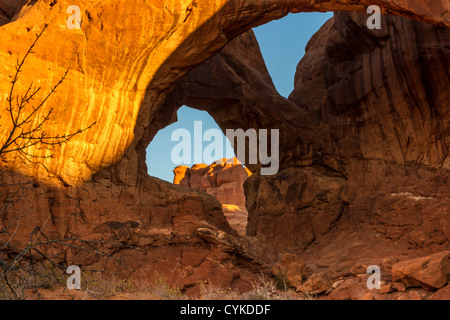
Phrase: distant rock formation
pixel 223 179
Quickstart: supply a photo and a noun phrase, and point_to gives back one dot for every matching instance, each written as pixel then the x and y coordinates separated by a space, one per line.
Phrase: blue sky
pixel 282 45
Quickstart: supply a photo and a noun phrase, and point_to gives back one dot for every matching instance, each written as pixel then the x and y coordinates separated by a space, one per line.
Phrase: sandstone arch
pixel 336 122
pixel 128 95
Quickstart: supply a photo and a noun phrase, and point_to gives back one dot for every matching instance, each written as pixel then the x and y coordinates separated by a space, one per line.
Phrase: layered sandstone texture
pixel 122 63
pixel 224 180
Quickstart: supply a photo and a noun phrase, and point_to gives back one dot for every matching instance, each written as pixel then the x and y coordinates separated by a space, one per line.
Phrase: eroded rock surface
pixel 122 64
pixel 224 180
pixel 348 148
pixel 364 168
pixel 364 174
pixel 432 272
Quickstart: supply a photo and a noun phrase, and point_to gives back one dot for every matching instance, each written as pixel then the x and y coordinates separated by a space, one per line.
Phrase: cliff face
pixel 364 171
pixel 224 180
pixel 121 67
pixel 379 107
pixel 364 168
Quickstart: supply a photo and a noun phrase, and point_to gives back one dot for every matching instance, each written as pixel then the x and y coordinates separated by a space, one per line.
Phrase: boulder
pixel 431 272
pixel 291 269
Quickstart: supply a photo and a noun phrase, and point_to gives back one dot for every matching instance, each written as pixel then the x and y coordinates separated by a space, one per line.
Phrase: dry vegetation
pixel 34 263
pixel 105 287
pixel 36 269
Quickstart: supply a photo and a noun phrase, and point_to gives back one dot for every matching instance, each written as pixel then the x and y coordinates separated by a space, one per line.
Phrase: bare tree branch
pixel 21 136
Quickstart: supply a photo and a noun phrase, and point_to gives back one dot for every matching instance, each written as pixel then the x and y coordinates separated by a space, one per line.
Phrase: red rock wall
pixel 121 68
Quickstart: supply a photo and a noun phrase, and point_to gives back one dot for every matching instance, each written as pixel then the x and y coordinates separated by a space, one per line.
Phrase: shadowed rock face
pixel 364 136
pixel 364 173
pixel 362 133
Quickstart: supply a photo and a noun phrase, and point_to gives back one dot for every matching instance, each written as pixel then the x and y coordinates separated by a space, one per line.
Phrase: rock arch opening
pixel 161 156
pixel 276 49
pixel 283 43
pixel 219 173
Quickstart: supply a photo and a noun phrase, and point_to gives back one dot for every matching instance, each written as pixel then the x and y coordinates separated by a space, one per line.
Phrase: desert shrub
pixel 281 282
pixel 162 290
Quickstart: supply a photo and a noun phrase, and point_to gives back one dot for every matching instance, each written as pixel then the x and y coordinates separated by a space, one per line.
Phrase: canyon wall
pixel 364 136
pixel 364 167
pixel 224 180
